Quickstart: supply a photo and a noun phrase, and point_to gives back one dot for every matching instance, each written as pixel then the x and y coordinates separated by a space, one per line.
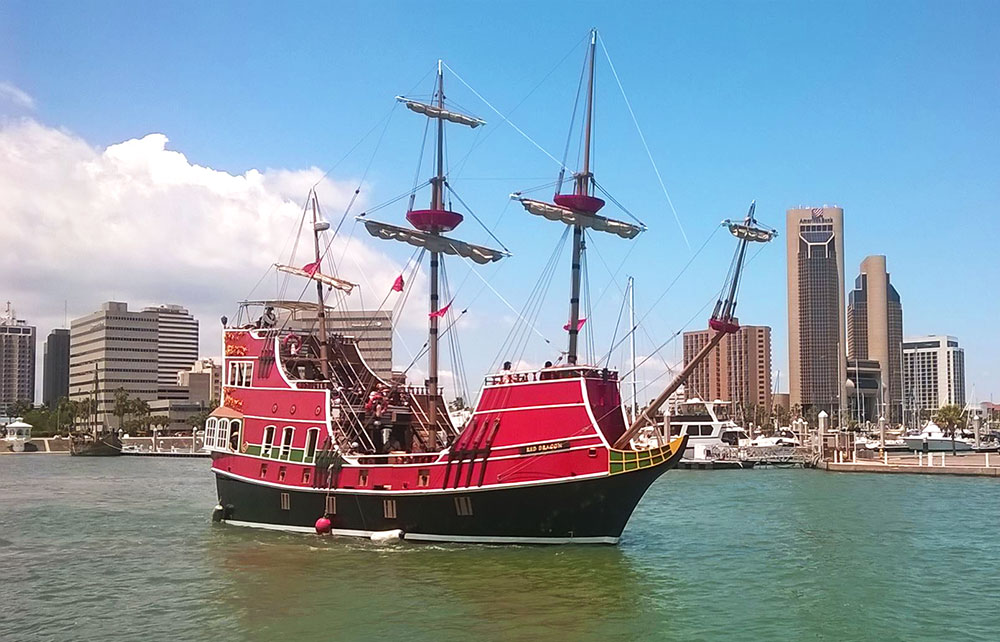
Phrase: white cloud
pixel 140 223
pixel 19 97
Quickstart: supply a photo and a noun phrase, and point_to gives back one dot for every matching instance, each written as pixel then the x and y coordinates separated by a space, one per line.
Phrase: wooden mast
pixel 319 226
pixel 437 203
pixel 582 188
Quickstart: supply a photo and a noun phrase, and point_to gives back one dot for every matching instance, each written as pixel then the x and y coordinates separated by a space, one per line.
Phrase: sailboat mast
pixel 634 405
pixel 437 203
pixel 324 363
pixel 582 188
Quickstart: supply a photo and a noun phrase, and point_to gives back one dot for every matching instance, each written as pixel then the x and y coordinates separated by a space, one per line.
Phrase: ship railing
pixel 550 374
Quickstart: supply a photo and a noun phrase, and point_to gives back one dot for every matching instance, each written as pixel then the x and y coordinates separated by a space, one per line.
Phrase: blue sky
pixel 886 109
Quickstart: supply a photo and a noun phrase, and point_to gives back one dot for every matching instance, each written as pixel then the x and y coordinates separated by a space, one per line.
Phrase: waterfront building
pixel 371 328
pixel 17 361
pixel 55 366
pixel 738 370
pixel 875 333
pixel 177 342
pixel 214 372
pixel 933 373
pixel 121 348
pixel 816 327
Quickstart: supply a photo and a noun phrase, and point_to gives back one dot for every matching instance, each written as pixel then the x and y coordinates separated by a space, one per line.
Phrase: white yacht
pixel 933 439
pixel 714 439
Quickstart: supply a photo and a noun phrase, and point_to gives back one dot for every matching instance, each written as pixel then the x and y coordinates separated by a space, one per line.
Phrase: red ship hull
pixel 534 464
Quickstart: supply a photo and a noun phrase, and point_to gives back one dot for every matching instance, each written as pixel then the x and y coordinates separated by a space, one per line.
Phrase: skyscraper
pixel 177 342
pixel 55 364
pixel 875 332
pixel 738 370
pixel 933 373
pixel 17 361
pixel 816 327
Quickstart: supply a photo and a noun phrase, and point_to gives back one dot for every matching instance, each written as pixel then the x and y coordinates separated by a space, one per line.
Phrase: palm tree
pixel 949 418
pixel 140 409
pixel 122 406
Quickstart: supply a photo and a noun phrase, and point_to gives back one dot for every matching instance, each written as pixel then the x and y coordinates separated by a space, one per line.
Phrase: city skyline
pixel 818 126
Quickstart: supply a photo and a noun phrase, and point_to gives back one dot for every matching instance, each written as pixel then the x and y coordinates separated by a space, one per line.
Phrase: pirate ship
pixel 309 438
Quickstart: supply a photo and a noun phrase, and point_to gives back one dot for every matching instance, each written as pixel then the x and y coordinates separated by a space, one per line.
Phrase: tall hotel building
pixel 875 332
pixel 816 326
pixel 738 370
pixel 933 373
pixel 122 348
pixel 17 361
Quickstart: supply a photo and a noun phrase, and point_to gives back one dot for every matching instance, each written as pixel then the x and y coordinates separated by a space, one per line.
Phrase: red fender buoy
pixel 323 525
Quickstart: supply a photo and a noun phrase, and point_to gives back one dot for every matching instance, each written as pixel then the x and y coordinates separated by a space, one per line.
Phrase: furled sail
pixel 583 219
pixel 433 242
pixel 332 281
pixel 433 111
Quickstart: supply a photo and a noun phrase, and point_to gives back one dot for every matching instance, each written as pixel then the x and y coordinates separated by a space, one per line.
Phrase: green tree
pixel 197 420
pixel 949 418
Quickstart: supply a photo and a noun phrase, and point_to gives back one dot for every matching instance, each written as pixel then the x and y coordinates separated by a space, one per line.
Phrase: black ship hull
pixel 592 510
pixel 103 446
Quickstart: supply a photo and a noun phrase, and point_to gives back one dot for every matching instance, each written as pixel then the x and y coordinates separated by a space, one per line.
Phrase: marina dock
pixel 967 464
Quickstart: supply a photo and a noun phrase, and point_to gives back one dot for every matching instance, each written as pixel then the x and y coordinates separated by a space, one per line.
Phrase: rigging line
pixel 542 294
pixel 614 335
pixel 615 201
pixel 533 302
pixel 505 119
pixel 357 144
pixel 572 120
pixel 395 199
pixel 677 278
pixel 686 324
pixel 635 121
pixel 505 302
pixel 478 220
pixel 512 339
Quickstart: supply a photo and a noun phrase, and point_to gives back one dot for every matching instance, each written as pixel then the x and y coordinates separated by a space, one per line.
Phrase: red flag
pixel 579 325
pixel 398 285
pixel 311 268
pixel 440 313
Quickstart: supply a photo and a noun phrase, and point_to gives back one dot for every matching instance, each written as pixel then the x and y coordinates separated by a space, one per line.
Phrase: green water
pixel 123 549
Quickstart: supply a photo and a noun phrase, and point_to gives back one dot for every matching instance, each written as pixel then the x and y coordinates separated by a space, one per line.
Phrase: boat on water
pixel 309 438
pixel 98 443
pixel 714 439
pixel 933 439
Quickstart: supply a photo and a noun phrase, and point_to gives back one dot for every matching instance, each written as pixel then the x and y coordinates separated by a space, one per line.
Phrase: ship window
pixel 389 508
pixel 706 431
pixel 306 475
pixel 362 478
pixel 263 471
pixel 240 374
pixel 331 505
pixel 286 502
pixel 220 434
pixel 691 430
pixel 312 436
pixel 423 478
pixel 286 442
pixel 234 435
pixel 210 432
pixel 267 443
pixel 463 506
